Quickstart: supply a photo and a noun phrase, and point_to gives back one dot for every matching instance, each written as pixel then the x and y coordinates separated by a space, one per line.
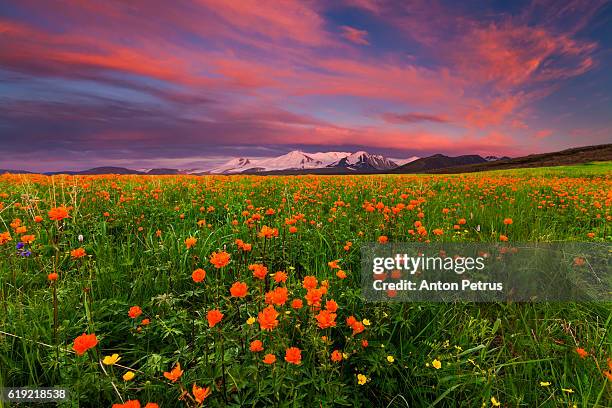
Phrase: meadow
pixel 245 291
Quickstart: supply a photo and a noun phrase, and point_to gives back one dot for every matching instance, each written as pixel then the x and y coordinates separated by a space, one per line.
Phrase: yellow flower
pixel 361 379
pixel 250 321
pixel 111 360
pixel 345 355
pixel 436 364
pixel 544 383
pixel 390 359
pixel 128 376
pixel 495 402
pixel 568 390
pixel 365 322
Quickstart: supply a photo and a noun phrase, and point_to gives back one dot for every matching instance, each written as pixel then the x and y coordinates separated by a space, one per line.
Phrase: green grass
pixel 495 350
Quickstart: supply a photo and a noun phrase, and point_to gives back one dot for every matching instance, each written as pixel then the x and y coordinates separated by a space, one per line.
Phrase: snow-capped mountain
pixel 401 162
pixel 364 161
pixel 298 160
pixel 495 158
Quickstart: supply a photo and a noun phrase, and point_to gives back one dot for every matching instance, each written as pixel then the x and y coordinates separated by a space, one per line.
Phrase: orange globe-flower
pixel 58 213
pixel 293 355
pixel 198 275
pixel 277 296
pixel 256 346
pixel 267 318
pixel 214 316
pixel 239 289
pixel 310 282
pixel 190 242
pixel 582 353
pixel 336 356
pixel 200 393
pixel 331 306
pixel 84 342
pixel 297 303
pixel 259 271
pixel 269 359
pixel 326 319
pixel 267 232
pixel 5 237
pixel 78 253
pixel 280 276
pixel 175 373
pixel 219 259
pixel 134 312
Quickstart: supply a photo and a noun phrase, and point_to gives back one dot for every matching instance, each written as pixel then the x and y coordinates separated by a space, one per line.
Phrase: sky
pixel 192 84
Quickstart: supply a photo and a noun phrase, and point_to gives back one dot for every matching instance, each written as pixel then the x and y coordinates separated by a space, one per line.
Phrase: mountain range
pixel 361 162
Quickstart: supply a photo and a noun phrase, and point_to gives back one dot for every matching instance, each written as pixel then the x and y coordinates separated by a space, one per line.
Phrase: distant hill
pixel 99 170
pixel 4 171
pixel 437 161
pixel 576 155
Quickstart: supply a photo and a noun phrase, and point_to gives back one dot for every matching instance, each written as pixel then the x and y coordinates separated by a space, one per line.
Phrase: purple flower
pixel 20 245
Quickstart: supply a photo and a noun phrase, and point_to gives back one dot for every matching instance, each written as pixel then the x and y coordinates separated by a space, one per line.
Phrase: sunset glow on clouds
pixel 193 83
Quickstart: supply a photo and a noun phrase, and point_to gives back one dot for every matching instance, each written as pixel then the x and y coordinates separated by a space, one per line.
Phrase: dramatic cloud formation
pixel 192 83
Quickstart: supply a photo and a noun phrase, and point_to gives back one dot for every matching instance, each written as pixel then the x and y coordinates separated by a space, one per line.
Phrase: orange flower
pixel 175 373
pixel 438 231
pixel 130 404
pixel 267 232
pixel 336 356
pixel 507 221
pixel 38 219
pixel 333 264
pixel 383 239
pixel 58 213
pixel 278 296
pixel 293 229
pixel 326 319
pixel 293 355
pixel 134 312
pixel 84 342
pixel 269 359
pixel 259 271
pixel 214 316
pixel 581 352
pixel 238 289
pixel 78 253
pixel 313 297
pixel 503 238
pixel 267 318
pixel 52 276
pixel 331 306
pixel 310 282
pixel 190 242
pixel 145 322
pixel 219 259
pixel 358 327
pixel 200 393
pixel 198 275
pixel 28 239
pixel 280 276
pixel 151 405
pixel 297 303
pixel 5 237
pixel 256 346
pixel 341 274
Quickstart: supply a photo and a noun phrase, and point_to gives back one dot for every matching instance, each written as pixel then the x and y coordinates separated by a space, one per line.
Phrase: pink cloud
pixel 355 35
pixel 544 133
